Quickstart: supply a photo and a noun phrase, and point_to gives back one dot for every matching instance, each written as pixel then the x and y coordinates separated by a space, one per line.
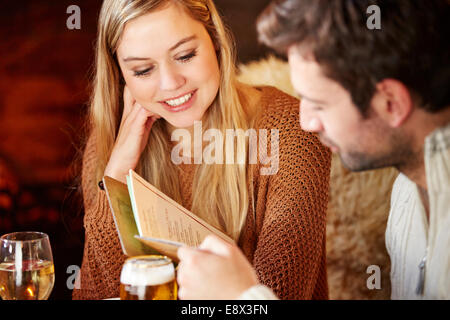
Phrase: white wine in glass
pixel 26 266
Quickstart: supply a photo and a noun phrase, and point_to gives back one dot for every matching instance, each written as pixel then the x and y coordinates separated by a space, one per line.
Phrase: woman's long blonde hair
pixel 220 193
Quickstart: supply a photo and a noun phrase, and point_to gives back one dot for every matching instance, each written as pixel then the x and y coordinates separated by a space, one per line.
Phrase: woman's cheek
pixel 209 68
pixel 144 91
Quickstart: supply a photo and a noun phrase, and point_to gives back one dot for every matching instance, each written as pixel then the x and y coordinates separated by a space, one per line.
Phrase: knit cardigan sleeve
pixel 103 257
pixel 291 208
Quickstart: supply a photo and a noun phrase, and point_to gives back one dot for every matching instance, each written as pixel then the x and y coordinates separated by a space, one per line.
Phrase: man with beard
pixel 379 98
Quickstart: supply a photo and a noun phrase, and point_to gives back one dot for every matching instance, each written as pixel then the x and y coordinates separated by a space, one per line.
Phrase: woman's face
pixel 169 64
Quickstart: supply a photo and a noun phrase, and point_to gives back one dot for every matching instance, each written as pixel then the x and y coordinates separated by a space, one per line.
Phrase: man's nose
pixel 171 79
pixel 309 120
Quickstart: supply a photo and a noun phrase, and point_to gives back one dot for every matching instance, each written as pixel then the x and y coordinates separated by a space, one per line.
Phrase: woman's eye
pixel 187 57
pixel 142 72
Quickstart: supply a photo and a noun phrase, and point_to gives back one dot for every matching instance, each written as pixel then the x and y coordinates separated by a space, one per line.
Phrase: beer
pixel 33 281
pixel 148 278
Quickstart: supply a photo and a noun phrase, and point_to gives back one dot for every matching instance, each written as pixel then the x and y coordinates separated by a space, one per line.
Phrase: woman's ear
pixel 392 102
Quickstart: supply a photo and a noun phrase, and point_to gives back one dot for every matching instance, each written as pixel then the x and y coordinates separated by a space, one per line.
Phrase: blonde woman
pixel 166 65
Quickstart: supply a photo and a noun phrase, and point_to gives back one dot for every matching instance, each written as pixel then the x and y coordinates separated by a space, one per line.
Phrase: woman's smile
pixel 180 103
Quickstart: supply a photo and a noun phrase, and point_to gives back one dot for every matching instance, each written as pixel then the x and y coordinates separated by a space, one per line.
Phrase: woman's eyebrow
pixel 134 58
pixel 183 41
pixel 179 43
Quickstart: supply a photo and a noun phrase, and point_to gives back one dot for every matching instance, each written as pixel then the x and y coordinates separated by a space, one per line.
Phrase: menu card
pixel 150 222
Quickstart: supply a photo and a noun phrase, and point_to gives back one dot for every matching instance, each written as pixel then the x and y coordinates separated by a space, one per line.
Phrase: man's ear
pixel 392 102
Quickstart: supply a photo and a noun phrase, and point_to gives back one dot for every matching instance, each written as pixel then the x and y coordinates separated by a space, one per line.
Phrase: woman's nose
pixel 171 79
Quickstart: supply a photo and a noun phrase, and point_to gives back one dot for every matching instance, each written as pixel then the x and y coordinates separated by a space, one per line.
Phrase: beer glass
pixel 26 266
pixel 149 277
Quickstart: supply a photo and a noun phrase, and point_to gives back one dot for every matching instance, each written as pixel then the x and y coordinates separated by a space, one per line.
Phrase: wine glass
pixel 26 266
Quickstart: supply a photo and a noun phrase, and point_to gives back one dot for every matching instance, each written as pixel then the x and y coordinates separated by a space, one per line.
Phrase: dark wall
pixel 240 16
pixel 44 77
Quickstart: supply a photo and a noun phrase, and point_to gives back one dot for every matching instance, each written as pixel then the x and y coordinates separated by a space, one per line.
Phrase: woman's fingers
pixel 132 109
pixel 138 120
pixel 147 128
pixel 132 138
pixel 130 106
pixel 129 119
pixel 128 102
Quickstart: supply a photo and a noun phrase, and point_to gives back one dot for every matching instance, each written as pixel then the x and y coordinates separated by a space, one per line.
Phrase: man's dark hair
pixel 412 45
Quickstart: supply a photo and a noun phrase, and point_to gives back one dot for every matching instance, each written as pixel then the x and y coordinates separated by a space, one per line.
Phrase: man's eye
pixel 143 72
pixel 317 108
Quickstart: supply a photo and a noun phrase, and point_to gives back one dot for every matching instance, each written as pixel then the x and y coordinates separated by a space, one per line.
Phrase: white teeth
pixel 179 101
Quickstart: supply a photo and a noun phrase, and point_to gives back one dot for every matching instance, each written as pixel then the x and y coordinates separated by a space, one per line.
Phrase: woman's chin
pixel 181 123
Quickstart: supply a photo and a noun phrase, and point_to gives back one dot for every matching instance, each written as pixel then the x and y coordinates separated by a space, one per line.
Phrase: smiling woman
pixel 176 68
pixel 163 65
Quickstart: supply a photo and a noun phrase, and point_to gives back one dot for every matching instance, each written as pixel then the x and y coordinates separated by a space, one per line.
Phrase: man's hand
pixel 217 270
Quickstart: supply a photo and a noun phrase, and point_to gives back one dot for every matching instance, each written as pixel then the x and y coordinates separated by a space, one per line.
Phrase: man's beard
pixel 398 153
pixel 357 161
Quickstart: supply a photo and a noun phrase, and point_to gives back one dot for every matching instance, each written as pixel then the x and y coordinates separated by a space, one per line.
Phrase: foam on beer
pixel 154 273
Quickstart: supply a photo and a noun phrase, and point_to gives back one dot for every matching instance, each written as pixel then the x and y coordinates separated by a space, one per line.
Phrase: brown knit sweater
pixel 284 239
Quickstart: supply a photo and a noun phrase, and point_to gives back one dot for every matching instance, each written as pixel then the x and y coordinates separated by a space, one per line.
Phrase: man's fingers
pixel 182 293
pixel 183 252
pixel 186 256
pixel 214 244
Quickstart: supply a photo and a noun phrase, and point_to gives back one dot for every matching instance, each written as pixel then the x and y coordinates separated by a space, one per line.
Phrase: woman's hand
pixel 132 138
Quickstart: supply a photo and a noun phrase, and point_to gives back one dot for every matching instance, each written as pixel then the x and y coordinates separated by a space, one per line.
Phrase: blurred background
pixel 45 71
